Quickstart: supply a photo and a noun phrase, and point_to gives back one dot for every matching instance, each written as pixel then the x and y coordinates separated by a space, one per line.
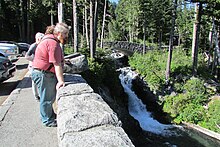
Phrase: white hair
pixel 61 27
pixel 39 36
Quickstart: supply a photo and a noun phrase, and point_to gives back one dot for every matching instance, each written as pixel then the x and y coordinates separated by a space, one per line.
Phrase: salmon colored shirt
pixel 48 51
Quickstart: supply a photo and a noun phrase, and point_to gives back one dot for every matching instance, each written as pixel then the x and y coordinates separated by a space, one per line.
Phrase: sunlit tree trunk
pixel 95 27
pixel 83 30
pixel 60 11
pixel 86 25
pixel 144 46
pixel 51 16
pixel 103 25
pixel 195 43
pixel 210 43
pixel 91 31
pixel 75 25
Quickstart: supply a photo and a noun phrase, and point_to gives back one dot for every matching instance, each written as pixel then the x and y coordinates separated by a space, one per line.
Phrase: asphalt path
pixel 9 85
pixel 20 123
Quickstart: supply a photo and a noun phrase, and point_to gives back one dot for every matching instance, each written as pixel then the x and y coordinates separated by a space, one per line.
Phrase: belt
pixel 44 71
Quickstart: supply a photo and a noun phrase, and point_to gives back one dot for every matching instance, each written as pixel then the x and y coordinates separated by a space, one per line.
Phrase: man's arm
pixel 59 75
pixel 29 55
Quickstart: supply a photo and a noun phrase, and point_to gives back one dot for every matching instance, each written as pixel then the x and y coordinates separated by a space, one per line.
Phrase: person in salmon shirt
pixel 48 71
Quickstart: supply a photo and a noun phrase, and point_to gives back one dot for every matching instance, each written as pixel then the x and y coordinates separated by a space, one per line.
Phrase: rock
pixel 75 63
pixel 104 136
pixel 84 119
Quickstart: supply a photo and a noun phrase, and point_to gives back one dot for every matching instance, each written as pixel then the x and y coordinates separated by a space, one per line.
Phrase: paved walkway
pixel 20 124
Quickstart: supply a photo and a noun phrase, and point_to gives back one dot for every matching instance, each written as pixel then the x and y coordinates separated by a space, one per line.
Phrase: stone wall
pixel 134 47
pixel 84 119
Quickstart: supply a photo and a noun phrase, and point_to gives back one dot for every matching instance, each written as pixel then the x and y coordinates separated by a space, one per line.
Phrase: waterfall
pixel 138 110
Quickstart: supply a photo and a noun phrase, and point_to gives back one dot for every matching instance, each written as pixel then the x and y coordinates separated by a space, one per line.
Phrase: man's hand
pixel 60 84
pixel 59 75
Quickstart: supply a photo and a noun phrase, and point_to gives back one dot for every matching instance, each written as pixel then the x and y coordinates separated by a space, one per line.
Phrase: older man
pixel 30 57
pixel 48 71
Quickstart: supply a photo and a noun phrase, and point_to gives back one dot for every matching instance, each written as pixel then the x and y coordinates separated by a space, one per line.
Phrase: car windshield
pixel 6 44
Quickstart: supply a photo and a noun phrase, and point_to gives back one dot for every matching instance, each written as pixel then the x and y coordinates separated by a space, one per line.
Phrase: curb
pixel 203 130
pixel 4 108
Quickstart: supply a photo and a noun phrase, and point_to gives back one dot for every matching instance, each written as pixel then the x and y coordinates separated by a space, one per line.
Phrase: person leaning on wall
pixel 49 29
pixel 48 71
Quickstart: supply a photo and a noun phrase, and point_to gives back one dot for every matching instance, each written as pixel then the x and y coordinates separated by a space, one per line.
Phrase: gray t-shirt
pixel 31 50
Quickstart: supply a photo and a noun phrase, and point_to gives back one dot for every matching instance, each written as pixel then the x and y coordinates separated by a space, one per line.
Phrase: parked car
pixel 7 69
pixel 2 54
pixel 10 50
pixel 22 47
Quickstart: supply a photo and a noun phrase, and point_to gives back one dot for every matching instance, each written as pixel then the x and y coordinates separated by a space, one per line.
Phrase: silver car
pixel 7 69
pixel 2 54
pixel 11 50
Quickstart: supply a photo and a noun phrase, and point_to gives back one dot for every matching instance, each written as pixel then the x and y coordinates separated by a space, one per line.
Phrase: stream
pixel 167 135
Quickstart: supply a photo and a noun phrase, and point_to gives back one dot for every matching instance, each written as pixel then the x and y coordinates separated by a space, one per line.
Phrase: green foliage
pixel 101 52
pixel 114 31
pixel 187 106
pixel 96 73
pixel 212 121
pixel 174 104
pixel 195 91
pixel 212 9
pixel 101 71
pixel 68 49
pixel 189 96
pixel 192 113
pixel 153 73
pixel 132 16
pixel 184 22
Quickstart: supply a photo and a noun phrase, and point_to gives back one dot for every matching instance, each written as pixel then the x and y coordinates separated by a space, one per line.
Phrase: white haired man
pixel 30 57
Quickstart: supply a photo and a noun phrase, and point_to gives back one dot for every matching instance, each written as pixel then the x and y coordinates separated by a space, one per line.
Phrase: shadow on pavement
pixel 8 87
pixel 27 84
pixel 23 66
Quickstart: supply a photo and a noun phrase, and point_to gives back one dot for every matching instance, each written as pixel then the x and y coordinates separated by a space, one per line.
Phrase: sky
pixel 114 1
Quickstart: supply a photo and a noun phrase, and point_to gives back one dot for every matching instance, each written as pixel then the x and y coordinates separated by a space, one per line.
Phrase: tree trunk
pixel 60 11
pixel 179 39
pixel 28 23
pixel 23 4
pixel 83 30
pixel 86 26
pixel 103 24
pixel 75 25
pixel 144 46
pixel 160 39
pixel 195 42
pixel 95 26
pixel 171 42
pixel 91 31
pixel 210 43
pixel 51 16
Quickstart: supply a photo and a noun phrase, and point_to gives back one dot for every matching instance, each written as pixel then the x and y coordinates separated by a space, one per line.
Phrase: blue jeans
pixel 34 86
pixel 46 84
